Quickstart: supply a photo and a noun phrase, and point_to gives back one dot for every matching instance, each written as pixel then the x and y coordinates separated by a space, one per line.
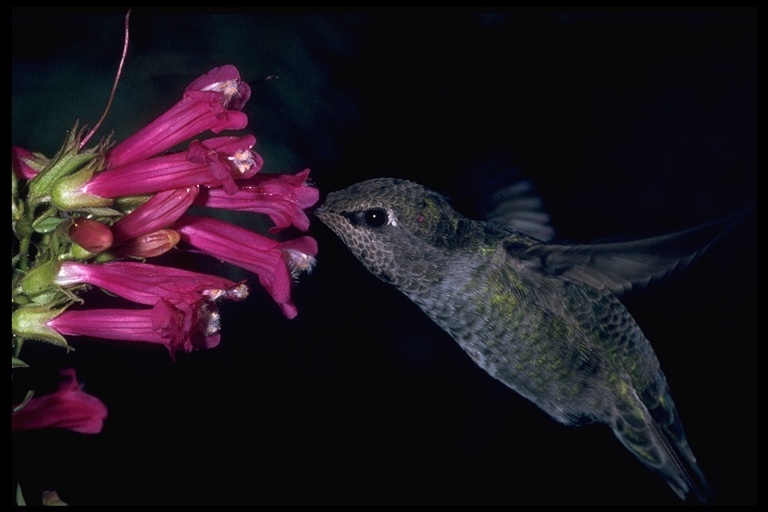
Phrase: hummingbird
pixel 543 318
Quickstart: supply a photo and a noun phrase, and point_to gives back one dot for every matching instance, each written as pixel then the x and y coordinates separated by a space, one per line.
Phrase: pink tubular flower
pixel 268 259
pixel 24 163
pixel 69 407
pixel 211 102
pixel 160 211
pixel 176 329
pixel 183 300
pixel 281 196
pixel 213 162
pixel 146 284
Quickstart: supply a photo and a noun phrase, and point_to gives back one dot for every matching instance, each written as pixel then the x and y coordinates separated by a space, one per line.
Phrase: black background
pixel 630 122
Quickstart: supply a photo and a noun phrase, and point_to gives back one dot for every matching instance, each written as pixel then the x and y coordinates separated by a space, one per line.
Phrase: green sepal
pixel 104 257
pixel 80 254
pixel 31 322
pixel 46 224
pixel 102 212
pixel 20 501
pixel 40 278
pixel 67 194
pixel 27 397
pixel 17 204
pixel 49 297
pixel 68 163
pixel 18 363
pixel 127 204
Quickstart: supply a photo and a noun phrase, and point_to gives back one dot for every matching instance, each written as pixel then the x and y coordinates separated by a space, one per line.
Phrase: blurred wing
pixel 498 192
pixel 622 266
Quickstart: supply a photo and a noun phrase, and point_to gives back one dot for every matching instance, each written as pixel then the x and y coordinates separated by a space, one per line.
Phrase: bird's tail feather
pixel 681 471
pixel 665 452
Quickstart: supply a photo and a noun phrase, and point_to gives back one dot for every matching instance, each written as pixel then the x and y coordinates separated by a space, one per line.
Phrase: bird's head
pixel 392 225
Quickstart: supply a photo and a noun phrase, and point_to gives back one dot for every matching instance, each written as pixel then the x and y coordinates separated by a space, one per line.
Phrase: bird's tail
pixel 664 449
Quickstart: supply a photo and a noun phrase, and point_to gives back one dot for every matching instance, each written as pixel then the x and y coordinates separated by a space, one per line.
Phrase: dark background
pixel 629 122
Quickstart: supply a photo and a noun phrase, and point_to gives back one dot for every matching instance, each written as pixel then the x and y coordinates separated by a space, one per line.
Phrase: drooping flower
pixel 211 102
pixel 281 196
pixel 70 408
pixel 244 248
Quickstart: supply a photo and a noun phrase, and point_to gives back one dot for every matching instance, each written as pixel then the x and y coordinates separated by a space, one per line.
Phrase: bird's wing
pixel 621 266
pixel 499 192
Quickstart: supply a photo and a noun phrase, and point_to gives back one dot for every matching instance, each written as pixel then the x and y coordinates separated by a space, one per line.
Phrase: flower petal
pixel 69 408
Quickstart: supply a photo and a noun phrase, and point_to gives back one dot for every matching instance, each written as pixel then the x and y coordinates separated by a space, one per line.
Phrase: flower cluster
pixel 92 218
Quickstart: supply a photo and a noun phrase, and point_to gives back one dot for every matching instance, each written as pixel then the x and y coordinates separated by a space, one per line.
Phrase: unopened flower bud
pixel 150 245
pixel 91 235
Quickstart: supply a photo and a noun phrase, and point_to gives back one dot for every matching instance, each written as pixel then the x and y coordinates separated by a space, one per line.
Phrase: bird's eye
pixel 375 217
